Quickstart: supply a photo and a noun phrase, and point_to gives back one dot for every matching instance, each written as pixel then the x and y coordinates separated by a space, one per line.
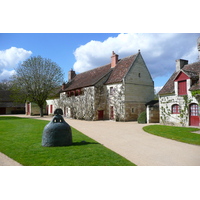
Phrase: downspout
pixel 123 82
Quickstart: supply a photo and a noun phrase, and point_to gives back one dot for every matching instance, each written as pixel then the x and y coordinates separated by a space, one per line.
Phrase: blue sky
pixel 84 51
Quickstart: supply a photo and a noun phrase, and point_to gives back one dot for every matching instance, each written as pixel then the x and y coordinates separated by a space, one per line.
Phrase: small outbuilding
pixel 8 106
pixel 152 110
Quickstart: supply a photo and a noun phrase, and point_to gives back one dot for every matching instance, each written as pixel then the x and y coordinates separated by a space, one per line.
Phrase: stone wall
pixel 139 89
pixel 166 116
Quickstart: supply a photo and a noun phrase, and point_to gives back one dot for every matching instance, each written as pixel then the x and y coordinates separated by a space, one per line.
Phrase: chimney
pixel 63 86
pixel 71 75
pixel 114 59
pixel 180 63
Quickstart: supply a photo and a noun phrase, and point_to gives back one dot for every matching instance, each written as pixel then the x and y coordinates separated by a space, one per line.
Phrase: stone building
pixel 8 106
pixel 152 111
pixel 118 90
pixel 180 96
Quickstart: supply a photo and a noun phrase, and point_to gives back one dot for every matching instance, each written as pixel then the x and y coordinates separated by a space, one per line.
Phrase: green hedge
pixel 142 119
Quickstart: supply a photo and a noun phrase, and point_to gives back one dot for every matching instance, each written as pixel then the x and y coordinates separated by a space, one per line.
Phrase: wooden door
pixel 2 111
pixel 111 112
pixel 194 114
pixel 100 114
pixel 28 109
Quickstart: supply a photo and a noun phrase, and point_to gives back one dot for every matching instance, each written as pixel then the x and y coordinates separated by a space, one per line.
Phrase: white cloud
pixel 158 50
pixel 158 88
pixel 9 59
pixel 5 74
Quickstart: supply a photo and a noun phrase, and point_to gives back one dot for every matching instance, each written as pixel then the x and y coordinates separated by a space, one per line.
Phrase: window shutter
pixel 182 88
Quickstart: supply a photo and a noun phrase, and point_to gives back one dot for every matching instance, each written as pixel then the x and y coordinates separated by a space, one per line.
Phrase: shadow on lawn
pixel 11 118
pixel 83 143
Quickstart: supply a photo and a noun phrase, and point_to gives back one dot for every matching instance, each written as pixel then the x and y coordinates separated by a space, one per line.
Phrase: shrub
pixel 142 119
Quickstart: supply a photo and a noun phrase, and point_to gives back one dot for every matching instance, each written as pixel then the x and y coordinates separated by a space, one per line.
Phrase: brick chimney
pixel 114 59
pixel 71 75
pixel 180 63
pixel 63 86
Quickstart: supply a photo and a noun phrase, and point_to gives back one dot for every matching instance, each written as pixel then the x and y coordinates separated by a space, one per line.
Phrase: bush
pixel 142 119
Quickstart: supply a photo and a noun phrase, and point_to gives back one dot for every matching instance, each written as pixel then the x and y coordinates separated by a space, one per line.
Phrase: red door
pixel 194 115
pixel 100 114
pixel 51 109
pixel 111 112
pixel 28 109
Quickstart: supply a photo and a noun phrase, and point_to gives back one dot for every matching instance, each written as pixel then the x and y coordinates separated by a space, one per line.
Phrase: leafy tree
pixel 5 85
pixel 35 80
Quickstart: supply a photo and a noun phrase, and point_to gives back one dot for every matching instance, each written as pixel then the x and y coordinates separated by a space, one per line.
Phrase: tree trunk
pixel 41 111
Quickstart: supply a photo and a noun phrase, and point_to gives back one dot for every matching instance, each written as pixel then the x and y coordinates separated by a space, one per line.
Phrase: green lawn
pixel 21 138
pixel 181 134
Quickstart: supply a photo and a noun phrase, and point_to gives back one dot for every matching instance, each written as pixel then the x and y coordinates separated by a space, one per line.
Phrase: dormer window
pixel 181 79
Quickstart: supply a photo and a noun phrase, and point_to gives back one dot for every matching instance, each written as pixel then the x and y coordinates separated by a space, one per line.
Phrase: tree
pixel 4 86
pixel 35 80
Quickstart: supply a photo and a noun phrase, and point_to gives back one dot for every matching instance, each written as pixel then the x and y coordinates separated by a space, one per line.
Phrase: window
pixel 111 90
pixel 132 110
pixel 194 110
pixel 175 109
pixel 182 88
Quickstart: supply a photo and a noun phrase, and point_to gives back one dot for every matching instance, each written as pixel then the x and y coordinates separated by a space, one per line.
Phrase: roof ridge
pixel 93 69
pixel 198 62
pixel 109 63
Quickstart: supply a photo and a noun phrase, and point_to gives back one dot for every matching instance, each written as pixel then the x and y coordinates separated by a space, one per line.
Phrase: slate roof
pixel 191 70
pixel 6 101
pixel 88 78
pixel 91 77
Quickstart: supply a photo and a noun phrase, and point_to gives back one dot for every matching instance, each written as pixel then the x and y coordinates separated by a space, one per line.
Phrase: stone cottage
pixel 117 91
pixel 180 96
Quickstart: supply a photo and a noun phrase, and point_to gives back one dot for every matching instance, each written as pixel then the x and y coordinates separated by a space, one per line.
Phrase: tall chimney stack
pixel 71 75
pixel 180 63
pixel 114 59
pixel 63 86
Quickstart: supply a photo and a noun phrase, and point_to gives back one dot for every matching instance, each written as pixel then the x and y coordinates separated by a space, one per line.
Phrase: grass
pixel 21 138
pixel 181 134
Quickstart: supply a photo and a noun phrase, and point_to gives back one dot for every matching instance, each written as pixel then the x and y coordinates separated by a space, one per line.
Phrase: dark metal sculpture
pixel 57 132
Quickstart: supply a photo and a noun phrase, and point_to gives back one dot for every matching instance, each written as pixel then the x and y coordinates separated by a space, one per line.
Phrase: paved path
pixel 6 161
pixel 129 140
pixel 144 149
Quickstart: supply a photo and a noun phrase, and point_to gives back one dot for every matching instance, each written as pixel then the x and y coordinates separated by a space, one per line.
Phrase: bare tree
pixel 35 80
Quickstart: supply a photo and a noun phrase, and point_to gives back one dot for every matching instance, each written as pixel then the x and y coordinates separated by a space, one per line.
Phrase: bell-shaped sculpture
pixel 57 132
